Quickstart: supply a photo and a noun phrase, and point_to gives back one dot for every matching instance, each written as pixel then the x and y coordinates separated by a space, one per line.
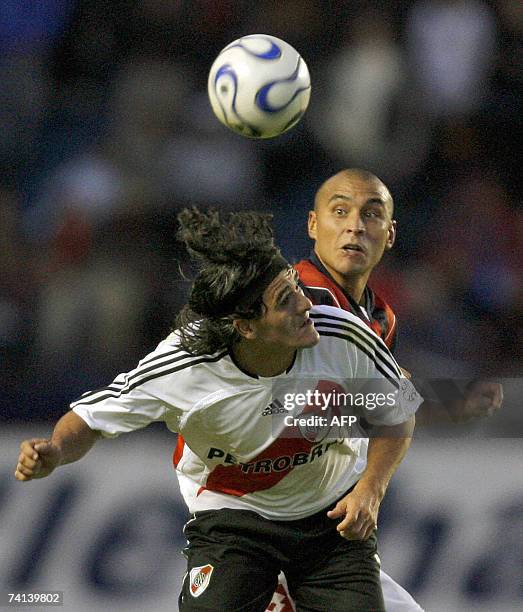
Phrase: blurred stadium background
pixel 107 132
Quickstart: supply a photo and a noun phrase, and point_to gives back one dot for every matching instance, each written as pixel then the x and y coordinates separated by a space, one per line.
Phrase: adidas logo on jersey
pixel 275 407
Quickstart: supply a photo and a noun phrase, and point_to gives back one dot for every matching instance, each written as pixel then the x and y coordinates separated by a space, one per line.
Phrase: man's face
pixel 352 225
pixel 285 323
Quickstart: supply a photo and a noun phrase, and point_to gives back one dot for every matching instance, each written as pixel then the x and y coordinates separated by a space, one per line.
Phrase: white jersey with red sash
pixel 236 448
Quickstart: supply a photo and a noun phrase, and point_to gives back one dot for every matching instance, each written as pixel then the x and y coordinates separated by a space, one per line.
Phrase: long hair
pixel 237 259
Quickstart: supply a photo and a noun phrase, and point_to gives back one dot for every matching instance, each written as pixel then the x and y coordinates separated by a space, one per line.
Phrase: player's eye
pixel 289 293
pixel 297 290
pixel 340 212
pixel 283 300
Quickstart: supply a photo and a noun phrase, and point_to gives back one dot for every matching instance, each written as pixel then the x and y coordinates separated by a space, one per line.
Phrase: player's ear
pixel 245 327
pixel 391 236
pixel 311 224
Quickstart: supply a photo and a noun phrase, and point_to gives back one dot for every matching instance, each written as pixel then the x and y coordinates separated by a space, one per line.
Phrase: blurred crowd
pixel 107 133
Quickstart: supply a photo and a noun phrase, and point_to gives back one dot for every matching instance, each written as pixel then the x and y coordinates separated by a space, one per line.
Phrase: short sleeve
pixel 397 405
pixel 121 408
pixel 389 397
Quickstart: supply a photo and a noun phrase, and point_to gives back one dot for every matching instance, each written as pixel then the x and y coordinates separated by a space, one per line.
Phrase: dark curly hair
pixel 237 260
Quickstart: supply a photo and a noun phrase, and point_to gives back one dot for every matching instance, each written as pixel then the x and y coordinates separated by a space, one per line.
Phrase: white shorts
pixel 397 599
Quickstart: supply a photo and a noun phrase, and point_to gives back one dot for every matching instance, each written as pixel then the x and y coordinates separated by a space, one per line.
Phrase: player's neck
pixel 353 285
pixel 261 359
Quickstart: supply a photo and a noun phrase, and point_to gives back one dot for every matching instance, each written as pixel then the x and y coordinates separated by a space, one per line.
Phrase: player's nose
pixel 303 304
pixel 354 222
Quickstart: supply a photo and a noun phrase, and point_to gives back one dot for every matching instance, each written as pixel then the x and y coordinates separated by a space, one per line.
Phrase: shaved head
pixel 350 174
pixel 352 226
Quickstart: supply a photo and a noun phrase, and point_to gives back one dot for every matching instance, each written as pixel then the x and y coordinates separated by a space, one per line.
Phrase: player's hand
pixel 406 373
pixel 38 458
pixel 359 513
pixel 482 398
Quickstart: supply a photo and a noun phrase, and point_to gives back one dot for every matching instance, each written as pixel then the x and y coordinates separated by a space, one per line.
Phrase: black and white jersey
pixel 259 443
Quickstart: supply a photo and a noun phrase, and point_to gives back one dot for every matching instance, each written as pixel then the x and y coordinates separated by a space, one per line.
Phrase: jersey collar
pixel 255 376
pixel 367 294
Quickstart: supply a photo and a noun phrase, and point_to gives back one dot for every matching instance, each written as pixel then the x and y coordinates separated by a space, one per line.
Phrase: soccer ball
pixel 259 86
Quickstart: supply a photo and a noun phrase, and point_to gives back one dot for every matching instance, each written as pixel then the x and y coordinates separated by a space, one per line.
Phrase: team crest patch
pixel 199 579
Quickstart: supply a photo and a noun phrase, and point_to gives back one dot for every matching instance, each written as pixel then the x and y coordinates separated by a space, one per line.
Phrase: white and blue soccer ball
pixel 259 86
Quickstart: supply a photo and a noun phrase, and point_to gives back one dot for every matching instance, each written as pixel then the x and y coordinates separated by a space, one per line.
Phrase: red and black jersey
pixel 321 288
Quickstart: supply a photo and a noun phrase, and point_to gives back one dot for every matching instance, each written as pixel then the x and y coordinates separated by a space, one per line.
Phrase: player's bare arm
pixel 482 398
pixel 71 440
pixel 359 509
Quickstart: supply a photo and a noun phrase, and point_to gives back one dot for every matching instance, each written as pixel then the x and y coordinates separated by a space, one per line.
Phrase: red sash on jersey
pixel 383 322
pixel 383 319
